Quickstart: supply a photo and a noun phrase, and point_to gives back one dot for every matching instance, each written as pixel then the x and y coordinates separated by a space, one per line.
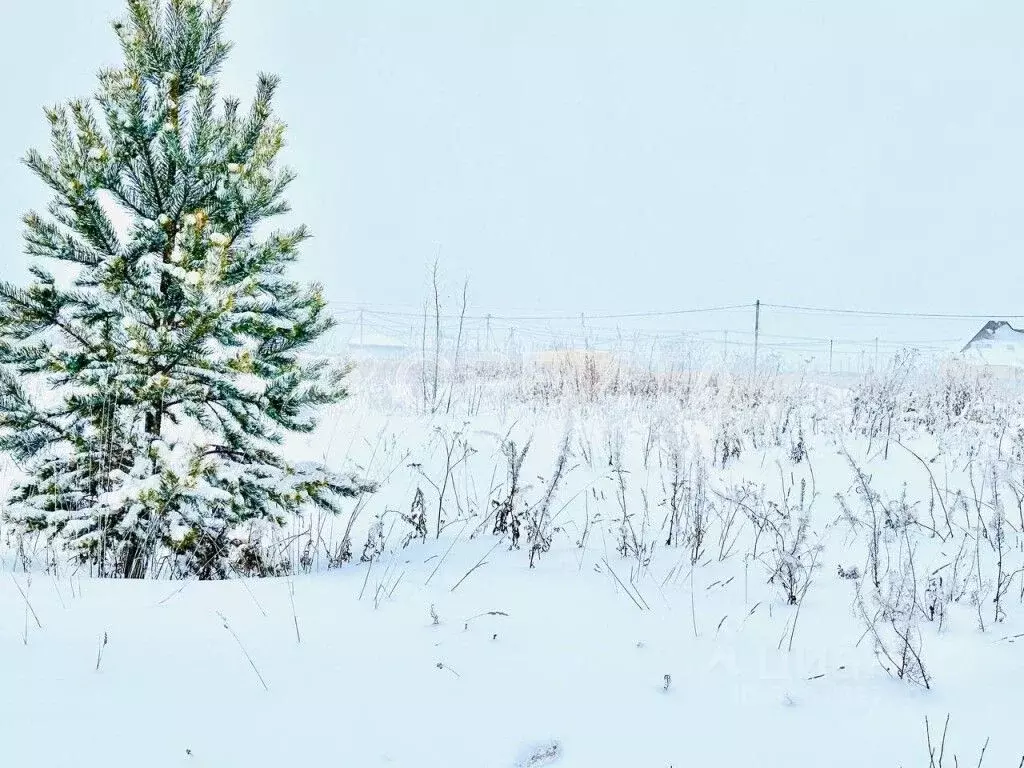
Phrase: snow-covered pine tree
pixel 145 388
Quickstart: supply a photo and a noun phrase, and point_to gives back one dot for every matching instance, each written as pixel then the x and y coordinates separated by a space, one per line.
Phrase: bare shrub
pixel 882 399
pixel 937 751
pixel 632 543
pixel 375 540
pixel 882 520
pixel 539 521
pixel 416 519
pixel 728 444
pixel 455 451
pixel 508 510
pixel 891 614
pixel 793 558
pixel 690 508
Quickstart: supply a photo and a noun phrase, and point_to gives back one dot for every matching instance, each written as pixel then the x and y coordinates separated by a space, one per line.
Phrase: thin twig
pixel 482 562
pixel 28 604
pixel 616 577
pixel 238 640
pixel 295 616
pixel 447 552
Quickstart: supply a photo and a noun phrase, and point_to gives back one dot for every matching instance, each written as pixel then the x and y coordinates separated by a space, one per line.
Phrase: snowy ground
pixel 454 652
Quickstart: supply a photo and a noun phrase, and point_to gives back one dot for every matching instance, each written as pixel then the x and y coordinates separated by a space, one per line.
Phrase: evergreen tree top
pixel 179 339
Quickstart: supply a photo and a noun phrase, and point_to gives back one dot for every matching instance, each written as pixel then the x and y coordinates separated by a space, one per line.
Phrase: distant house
pixel 997 344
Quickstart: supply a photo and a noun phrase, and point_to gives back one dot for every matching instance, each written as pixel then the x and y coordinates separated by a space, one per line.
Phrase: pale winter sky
pixel 619 155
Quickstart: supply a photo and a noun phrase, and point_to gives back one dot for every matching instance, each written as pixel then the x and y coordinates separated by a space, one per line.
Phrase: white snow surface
pixel 563 664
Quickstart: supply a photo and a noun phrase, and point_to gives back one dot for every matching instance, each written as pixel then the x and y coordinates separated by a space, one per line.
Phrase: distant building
pixel 997 344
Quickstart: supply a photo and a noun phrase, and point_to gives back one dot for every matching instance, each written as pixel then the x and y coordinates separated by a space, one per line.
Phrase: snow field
pixel 454 652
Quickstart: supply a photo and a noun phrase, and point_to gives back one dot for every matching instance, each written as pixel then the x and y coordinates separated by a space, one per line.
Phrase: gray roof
pixel 988 332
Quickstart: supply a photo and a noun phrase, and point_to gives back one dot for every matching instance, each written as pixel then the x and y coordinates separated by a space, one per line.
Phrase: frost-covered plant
pixel 540 755
pixel 633 541
pixel 961 395
pixel 892 613
pixel 850 574
pixel 792 557
pixel 416 519
pixel 798 451
pixel 882 401
pixel 539 520
pixel 728 444
pixel 456 452
pixel 935 599
pixel 251 557
pixel 996 527
pixel 375 540
pixel 508 510
pixel 689 507
pixel 792 560
pixel 169 349
pixel 882 519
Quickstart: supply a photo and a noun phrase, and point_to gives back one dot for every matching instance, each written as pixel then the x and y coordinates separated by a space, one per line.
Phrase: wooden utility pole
pixel 757 331
pixel 830 357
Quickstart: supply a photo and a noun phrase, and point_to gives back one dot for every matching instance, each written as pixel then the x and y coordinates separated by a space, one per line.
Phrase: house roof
pixel 995 332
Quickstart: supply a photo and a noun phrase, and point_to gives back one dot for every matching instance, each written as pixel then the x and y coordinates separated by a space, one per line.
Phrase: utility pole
pixel 830 357
pixel 757 331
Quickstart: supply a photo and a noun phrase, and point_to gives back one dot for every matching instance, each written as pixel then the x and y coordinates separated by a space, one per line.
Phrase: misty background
pixel 609 158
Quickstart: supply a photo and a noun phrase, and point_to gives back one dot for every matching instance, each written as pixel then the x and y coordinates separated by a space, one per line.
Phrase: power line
pixel 880 313
pixel 351 307
pixel 540 318
pixel 710 337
